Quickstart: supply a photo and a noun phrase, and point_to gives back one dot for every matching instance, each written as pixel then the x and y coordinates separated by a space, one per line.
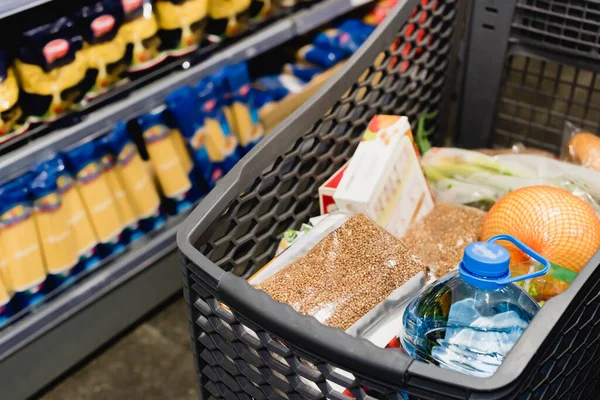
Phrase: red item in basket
pixel 327 190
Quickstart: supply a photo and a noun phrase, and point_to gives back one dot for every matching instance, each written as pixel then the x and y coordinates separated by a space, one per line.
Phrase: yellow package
pixel 133 174
pixel 24 270
pixel 169 168
pixel 52 70
pixel 85 239
pixel 124 204
pixel 140 32
pixel 228 17
pixel 96 194
pixel 10 110
pixel 104 50
pixel 181 24
pixel 182 151
pixel 52 222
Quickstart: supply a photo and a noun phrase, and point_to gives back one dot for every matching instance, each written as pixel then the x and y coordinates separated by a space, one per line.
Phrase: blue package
pixel 20 243
pixel 279 85
pixel 357 29
pixel 88 252
pixel 302 71
pixel 169 160
pixel 248 128
pixel 133 171
pixel 84 164
pixel 108 162
pixel 324 58
pixel 206 130
pixel 52 220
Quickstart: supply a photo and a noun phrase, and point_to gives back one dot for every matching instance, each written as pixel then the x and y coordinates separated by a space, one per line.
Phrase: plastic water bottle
pixel 470 319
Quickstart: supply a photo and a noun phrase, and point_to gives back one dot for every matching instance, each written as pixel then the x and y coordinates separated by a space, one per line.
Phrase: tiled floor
pixel 153 361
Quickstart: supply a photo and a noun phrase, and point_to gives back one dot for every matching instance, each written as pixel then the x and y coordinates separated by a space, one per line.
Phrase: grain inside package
pixel 345 275
pixel 440 238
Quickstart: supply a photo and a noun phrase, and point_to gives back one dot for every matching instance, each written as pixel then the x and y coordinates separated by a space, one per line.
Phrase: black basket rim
pixel 280 319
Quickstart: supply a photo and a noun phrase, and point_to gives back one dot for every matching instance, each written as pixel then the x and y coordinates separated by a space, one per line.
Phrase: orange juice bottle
pixel 172 171
pixel 135 179
pixel 52 221
pixel 24 272
pixel 97 196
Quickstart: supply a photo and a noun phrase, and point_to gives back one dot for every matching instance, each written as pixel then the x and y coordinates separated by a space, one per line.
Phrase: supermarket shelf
pixel 152 95
pixel 41 347
pixel 11 7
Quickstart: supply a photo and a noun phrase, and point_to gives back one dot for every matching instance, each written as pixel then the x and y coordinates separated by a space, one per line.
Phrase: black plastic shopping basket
pixel 246 345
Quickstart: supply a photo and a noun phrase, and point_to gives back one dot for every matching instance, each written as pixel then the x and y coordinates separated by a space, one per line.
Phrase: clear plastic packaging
pixel 468 177
pixel 339 270
pixel 581 147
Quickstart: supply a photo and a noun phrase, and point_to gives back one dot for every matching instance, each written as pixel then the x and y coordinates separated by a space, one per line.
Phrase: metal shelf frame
pixel 41 347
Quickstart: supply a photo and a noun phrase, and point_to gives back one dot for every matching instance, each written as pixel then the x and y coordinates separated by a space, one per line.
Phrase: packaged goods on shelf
pixel 86 241
pixel 104 50
pixel 136 179
pixel 12 120
pixel 439 239
pixel 172 171
pixel 122 200
pixel 181 24
pixel 302 71
pixel 324 58
pixel 580 147
pixel 24 271
pixel 558 225
pixel 52 70
pixel 384 179
pixel 201 120
pixel 260 10
pixel 347 37
pixel 243 106
pixel 98 199
pixel 227 18
pixel 6 301
pixel 140 32
pixel 339 270
pixel 57 238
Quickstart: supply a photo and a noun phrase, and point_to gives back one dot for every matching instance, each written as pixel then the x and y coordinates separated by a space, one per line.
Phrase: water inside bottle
pixel 458 326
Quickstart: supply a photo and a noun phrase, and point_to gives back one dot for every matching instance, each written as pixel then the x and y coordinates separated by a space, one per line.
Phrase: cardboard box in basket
pixel 384 179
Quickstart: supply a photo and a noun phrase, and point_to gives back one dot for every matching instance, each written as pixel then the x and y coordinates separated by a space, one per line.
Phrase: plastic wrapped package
pixel 24 272
pixel 551 221
pixel 12 119
pixel 140 32
pixel 517 148
pixel 171 170
pixel 228 18
pixel 339 270
pixel 52 70
pixel 468 177
pixel 136 179
pixel 182 24
pixel 86 241
pixel 52 222
pixel 124 204
pixel 580 147
pixel 104 50
pixel 84 164
pixel 439 239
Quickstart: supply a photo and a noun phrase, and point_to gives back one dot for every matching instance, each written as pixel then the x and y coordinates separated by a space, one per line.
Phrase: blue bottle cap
pixel 485 265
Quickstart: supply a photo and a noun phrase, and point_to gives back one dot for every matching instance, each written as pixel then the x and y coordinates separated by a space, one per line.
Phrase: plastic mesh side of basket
pixel 568 367
pixel 237 360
